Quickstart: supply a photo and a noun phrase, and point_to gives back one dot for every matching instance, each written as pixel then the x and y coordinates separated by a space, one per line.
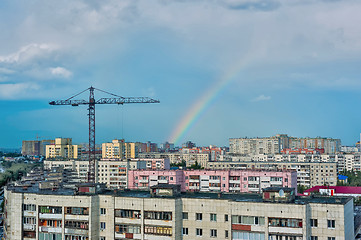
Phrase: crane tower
pixel 91 113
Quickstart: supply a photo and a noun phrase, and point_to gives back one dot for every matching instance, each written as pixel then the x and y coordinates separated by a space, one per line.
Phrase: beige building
pixel 309 174
pixel 92 213
pixel 118 149
pixel 62 148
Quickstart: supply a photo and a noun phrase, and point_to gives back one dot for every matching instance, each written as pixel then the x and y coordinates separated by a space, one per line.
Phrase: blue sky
pixel 299 70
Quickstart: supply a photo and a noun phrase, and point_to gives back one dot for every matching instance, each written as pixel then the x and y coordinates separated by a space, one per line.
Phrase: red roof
pixel 338 189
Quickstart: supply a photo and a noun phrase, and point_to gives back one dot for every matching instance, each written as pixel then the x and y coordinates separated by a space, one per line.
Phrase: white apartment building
pixel 112 173
pixel 309 174
pixel 91 213
pixel 274 144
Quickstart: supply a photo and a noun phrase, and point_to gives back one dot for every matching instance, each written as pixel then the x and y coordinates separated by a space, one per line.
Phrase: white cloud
pixel 61 72
pixel 261 98
pixel 28 52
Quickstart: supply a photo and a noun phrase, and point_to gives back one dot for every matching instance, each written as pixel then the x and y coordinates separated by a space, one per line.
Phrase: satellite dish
pixel 281 193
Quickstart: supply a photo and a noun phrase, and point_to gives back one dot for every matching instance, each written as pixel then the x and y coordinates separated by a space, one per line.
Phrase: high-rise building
pixel 63 148
pixel 275 144
pixel 35 147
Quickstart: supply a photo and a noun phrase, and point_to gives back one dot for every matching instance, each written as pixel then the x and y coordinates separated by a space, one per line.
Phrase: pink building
pixel 214 180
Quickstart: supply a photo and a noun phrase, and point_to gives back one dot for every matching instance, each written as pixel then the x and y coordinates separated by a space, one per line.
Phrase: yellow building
pixel 118 149
pixel 63 148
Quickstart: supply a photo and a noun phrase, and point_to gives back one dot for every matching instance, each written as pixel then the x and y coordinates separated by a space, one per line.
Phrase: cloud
pixel 6 71
pixel 18 90
pixel 28 53
pixel 261 98
pixel 260 5
pixel 61 72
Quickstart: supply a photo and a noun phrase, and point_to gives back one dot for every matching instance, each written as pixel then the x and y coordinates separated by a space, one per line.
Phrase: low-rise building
pixel 213 180
pixel 309 174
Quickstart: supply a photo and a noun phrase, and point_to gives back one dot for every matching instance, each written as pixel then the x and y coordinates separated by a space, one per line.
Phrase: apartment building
pixel 309 174
pixel 190 158
pixel 213 180
pixel 113 172
pixel 91 212
pixel 275 144
pixel 35 148
pixel 63 148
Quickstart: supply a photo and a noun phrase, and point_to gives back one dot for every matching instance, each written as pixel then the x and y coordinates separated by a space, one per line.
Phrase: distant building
pixel 119 149
pixel 35 147
pixel 275 144
pixel 63 148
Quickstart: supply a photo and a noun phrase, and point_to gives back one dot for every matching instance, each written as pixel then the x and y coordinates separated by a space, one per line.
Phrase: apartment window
pixel 213 217
pixel 103 211
pixel 101 238
pixel 331 238
pixel 249 220
pixel 331 223
pixel 29 207
pixel 185 215
pixel 213 232
pixel 158 230
pixel 185 231
pixel 199 216
pixel 313 238
pixel 313 222
pixel 226 218
pixel 102 226
pixel 199 232
pixel 226 234
pixel 158 215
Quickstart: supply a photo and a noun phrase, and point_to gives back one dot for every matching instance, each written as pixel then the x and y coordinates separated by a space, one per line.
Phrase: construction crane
pixel 91 113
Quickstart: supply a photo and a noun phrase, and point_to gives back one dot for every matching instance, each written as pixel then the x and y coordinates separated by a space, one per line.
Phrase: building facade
pixel 63 148
pixel 213 180
pixel 165 214
pixel 309 174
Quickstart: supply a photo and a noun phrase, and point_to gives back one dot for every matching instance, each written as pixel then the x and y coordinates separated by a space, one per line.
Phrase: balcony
pixel 163 181
pixel 29 227
pixel 143 180
pixel 51 216
pixel 234 189
pixel 29 214
pixel 50 229
pixel 194 180
pixel 193 187
pixel 234 181
pixel 287 230
pixel 76 217
pixel 76 231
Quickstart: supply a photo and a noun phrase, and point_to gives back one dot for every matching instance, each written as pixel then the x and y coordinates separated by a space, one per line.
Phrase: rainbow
pixel 203 103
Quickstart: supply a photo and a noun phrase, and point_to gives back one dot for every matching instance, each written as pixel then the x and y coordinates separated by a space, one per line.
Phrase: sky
pixel 220 68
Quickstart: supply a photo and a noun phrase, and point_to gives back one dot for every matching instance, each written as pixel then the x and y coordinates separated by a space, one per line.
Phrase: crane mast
pixel 91 114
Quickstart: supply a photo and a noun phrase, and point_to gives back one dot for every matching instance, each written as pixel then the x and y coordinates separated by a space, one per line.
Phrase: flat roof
pixel 238 197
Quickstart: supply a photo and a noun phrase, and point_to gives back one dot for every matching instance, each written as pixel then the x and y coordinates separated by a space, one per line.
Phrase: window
pixel 127 228
pixel 285 222
pixel 102 211
pixel 213 217
pixel 185 215
pixel 313 222
pixel 331 223
pixel 29 207
pixel 199 232
pixel 250 220
pixel 125 213
pixel 158 215
pixel 102 226
pixel 226 234
pixel 199 216
pixel 101 238
pixel 185 231
pixel 213 232
pixel 226 218
pixel 331 238
pixel 158 230
pixel 313 238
